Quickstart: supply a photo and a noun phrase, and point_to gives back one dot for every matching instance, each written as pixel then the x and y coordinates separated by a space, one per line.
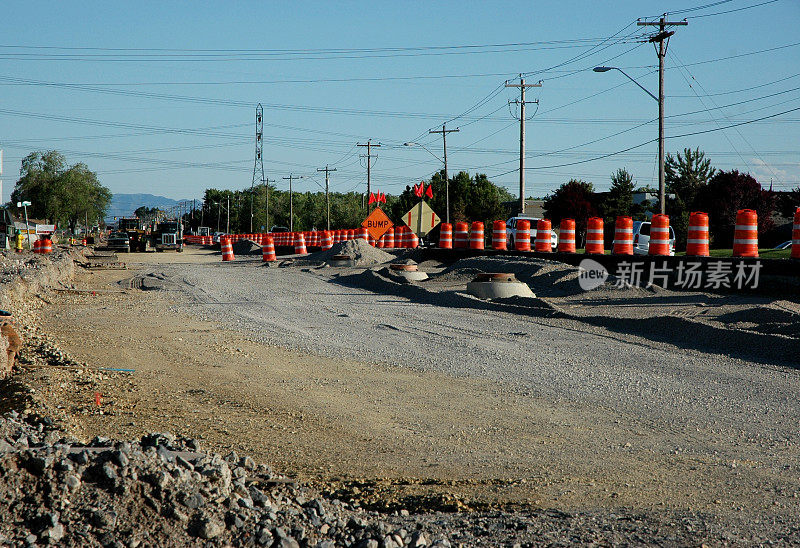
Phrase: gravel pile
pixel 362 253
pixel 246 247
pixel 163 491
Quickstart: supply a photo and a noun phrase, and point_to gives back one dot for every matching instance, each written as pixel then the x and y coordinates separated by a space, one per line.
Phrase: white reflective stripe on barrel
pixel 594 241
pixel 658 242
pixel 567 231
pixel 690 241
pixel 698 229
pixel 795 227
pixel 746 241
pixel 749 228
pixel 795 242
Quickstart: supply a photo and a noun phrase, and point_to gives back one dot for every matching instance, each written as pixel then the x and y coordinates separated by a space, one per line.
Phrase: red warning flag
pixel 429 192
pixel 382 198
pixel 418 189
pixel 371 198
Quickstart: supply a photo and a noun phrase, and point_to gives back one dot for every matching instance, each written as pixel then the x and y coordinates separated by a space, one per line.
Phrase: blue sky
pixel 159 97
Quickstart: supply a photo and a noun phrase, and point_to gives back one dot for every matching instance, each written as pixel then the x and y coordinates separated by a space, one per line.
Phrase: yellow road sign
pixel 421 219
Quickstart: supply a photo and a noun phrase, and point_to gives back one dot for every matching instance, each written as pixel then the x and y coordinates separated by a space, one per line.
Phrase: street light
pixel 660 101
pixel 27 227
pixel 446 180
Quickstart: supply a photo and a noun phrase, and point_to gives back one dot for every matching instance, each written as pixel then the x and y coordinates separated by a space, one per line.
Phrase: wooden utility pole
pixel 369 157
pixel 444 131
pixel 521 102
pixel 291 203
pixel 661 42
pixel 327 194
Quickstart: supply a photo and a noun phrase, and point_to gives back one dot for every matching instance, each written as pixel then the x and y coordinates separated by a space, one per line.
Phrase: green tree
pixel 60 194
pixel 725 195
pixel 687 174
pixel 574 199
pixel 685 177
pixel 619 200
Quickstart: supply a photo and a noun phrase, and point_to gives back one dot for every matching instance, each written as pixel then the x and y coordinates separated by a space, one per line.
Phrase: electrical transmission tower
pixel 258 166
pixel 369 157
pixel 521 102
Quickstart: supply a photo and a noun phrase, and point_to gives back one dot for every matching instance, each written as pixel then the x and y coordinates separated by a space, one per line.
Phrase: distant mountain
pixel 123 205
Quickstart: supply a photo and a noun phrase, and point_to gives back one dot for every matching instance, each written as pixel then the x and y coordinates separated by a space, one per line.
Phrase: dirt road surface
pixel 411 403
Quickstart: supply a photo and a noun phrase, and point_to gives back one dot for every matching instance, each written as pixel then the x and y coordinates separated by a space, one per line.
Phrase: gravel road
pixel 325 312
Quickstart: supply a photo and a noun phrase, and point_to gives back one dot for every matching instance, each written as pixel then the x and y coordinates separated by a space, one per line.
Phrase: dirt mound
pixel 246 247
pixel 362 253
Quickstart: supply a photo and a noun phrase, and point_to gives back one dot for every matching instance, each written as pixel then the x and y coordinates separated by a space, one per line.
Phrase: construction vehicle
pixel 168 234
pixel 136 232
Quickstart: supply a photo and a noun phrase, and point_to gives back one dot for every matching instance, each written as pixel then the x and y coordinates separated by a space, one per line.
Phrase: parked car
pixel 119 241
pixel 641 238
pixel 784 245
pixel 215 238
pixel 511 231
pixel 277 228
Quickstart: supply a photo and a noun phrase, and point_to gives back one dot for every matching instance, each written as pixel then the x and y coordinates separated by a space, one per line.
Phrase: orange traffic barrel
pixel 227 249
pixel 476 235
pixel 594 236
pixel 566 236
pixel 300 244
pixel 37 246
pixel 268 250
pixel 543 242
pixel 499 236
pixel 46 246
pixel 745 236
pixel 461 235
pixel 362 234
pixel 83 242
pixel 401 236
pixel 697 235
pixel 623 236
pixel 327 240
pixel 388 238
pixel 413 240
pixel 796 235
pixel 659 235
pixel 446 236
pixel 370 240
pixel 522 241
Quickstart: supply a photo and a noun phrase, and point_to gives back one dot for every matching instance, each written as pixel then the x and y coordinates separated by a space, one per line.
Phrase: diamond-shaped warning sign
pixel 421 218
pixel 377 223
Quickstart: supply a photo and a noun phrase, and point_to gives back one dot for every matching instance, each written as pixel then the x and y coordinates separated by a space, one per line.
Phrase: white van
pixel 641 238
